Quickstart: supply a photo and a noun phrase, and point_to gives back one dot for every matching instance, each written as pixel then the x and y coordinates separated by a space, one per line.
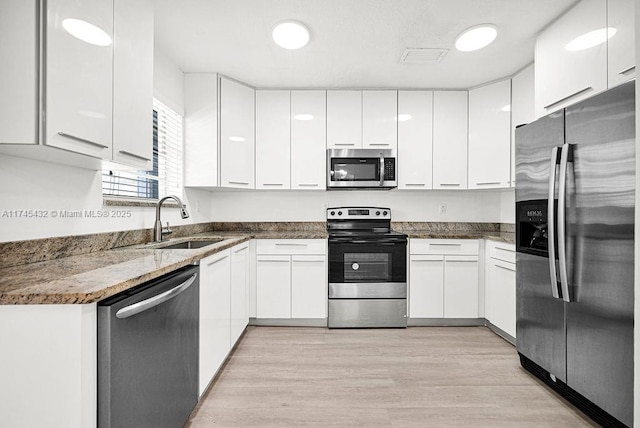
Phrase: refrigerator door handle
pixel 562 197
pixel 553 276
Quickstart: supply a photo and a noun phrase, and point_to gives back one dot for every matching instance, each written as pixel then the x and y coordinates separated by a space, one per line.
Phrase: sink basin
pixel 188 245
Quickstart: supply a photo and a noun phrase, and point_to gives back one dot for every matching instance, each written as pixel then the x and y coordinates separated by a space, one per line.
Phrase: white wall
pixel 470 206
pixel 32 185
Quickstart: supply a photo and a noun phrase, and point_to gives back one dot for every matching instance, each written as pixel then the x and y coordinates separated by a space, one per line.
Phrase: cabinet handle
pixel 452 244
pixel 449 184
pixel 379 144
pixel 124 152
pixel 273 184
pixel 505 249
pixel 239 182
pixel 308 184
pixel 241 249
pixel 505 268
pixel 626 70
pixel 82 140
pixel 487 183
pixel 290 245
pixel 344 144
pixel 568 97
pixel 415 184
pixel 273 261
pixel 217 260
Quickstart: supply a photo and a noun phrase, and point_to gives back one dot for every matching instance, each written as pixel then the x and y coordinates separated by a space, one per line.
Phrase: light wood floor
pixel 418 377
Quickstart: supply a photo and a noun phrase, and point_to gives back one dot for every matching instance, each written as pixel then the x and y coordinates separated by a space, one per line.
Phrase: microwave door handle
pixel 381 169
pixel 553 276
pixel 562 235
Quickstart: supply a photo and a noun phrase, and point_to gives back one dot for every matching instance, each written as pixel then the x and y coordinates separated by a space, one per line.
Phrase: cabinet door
pixel 461 287
pixel 308 140
pixel 215 315
pixel 502 301
pixel 450 113
pixel 273 139
pixel 344 119
pixel 415 139
pixel 308 287
pixel 201 130
pixel 19 72
pixel 132 87
pixel 490 136
pixel 379 119
pixel 79 77
pixel 522 108
pixel 621 50
pixel 239 290
pixel 565 76
pixel 273 284
pixel 237 151
pixel 426 286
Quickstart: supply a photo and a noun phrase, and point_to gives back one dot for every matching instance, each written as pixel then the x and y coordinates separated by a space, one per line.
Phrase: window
pixel 166 176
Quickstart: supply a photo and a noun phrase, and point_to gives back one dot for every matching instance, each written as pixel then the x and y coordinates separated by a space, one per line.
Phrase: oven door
pixel 367 268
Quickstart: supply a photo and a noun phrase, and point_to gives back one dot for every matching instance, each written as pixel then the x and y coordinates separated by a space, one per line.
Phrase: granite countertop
pixel 94 276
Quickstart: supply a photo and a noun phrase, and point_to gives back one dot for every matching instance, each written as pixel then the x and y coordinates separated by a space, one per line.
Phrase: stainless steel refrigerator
pixel 575 202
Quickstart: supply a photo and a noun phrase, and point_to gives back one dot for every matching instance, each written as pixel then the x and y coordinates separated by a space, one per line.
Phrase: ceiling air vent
pixel 423 55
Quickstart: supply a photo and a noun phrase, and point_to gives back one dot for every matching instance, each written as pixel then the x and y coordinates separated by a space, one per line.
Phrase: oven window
pixel 367 267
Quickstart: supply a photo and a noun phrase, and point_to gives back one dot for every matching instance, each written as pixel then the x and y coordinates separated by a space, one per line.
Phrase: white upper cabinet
pixel 566 71
pixel 621 57
pixel 450 114
pixel 132 87
pixel 522 108
pixel 415 139
pixel 379 119
pixel 19 74
pixel 308 140
pixel 490 136
pixel 344 119
pixel 273 139
pixel 237 127
pixel 79 77
pixel 201 130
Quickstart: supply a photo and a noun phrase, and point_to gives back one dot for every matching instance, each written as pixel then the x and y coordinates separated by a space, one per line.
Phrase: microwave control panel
pixel 390 169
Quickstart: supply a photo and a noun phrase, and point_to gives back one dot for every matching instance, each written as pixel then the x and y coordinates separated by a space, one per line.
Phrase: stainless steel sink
pixel 187 245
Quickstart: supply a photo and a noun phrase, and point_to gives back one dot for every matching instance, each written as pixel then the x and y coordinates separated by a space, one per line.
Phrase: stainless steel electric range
pixel 367 269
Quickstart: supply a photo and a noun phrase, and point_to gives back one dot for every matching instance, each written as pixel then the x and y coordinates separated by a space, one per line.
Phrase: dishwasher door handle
pixel 136 308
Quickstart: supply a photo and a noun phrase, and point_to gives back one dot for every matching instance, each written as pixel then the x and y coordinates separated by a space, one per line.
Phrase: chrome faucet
pixel 157 231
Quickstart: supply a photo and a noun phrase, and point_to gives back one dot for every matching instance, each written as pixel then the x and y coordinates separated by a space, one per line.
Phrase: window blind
pixel 166 176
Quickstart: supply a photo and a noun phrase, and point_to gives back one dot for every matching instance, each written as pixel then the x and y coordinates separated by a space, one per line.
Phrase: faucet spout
pixel 157 230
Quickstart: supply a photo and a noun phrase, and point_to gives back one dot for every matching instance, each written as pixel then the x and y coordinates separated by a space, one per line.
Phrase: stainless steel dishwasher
pixel 148 353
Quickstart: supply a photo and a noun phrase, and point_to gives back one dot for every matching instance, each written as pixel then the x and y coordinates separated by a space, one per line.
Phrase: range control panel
pixel 359 213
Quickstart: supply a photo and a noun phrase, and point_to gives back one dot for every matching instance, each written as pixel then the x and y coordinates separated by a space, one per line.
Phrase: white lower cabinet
pixel 500 287
pixel 291 279
pixel 443 278
pixel 223 307
pixel 239 290
pixel 215 315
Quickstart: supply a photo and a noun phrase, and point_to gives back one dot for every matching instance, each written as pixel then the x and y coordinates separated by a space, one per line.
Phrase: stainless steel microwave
pixel 361 169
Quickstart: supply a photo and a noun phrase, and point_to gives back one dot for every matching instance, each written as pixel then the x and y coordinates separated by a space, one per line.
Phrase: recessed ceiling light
pixel 86 32
pixel 476 37
pixel 237 139
pixel 591 39
pixel 506 108
pixel 303 116
pixel 290 35
pixel 403 117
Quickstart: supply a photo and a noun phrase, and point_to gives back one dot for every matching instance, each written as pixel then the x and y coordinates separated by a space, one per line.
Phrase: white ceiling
pixel 354 43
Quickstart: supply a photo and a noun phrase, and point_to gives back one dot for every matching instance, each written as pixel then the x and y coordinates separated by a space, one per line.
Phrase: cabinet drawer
pixel 444 246
pixel 291 246
pixel 501 251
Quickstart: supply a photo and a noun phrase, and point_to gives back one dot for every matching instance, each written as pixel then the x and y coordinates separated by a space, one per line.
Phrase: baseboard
pixel 288 322
pixel 503 334
pixel 445 322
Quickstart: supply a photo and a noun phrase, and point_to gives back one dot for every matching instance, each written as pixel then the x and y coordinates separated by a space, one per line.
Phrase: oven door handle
pixel 377 241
